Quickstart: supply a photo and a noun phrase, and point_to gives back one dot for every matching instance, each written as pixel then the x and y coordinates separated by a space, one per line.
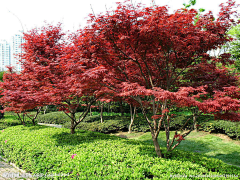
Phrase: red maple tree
pixel 64 77
pixel 148 51
pixel 20 94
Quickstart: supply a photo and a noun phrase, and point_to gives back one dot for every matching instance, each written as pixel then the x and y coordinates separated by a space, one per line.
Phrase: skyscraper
pixel 5 55
pixel 16 48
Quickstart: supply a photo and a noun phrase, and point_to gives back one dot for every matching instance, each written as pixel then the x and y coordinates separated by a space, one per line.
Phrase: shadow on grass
pixel 81 136
pixel 230 158
pixel 203 148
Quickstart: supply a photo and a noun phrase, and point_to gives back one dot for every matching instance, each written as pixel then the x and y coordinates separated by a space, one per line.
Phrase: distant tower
pixel 5 55
pixel 16 49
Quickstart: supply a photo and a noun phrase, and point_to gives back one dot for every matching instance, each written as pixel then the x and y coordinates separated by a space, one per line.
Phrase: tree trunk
pixel 109 107
pixel 132 118
pixel 121 108
pixel 101 114
pixel 90 111
pixel 195 120
pixel 154 132
pixel 157 147
pixel 73 124
pixel 21 119
pixel 1 113
pixel 33 121
pixel 44 112
pixel 72 128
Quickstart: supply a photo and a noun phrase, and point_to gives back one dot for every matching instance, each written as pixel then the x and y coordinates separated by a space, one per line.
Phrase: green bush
pixel 232 129
pixel 10 120
pixel 53 118
pixel 120 123
pixel 108 126
pixel 98 156
pixel 60 117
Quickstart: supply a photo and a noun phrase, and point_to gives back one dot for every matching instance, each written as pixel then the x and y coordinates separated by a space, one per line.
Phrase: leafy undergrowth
pixel 93 155
pixel 204 143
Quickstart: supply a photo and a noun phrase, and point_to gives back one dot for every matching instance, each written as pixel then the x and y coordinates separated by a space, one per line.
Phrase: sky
pixel 24 15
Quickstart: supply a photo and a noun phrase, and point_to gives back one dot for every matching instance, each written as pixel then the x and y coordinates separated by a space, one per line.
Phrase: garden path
pixel 10 171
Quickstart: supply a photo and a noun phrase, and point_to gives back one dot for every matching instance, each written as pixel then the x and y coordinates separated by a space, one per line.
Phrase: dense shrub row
pixel 114 122
pixel 232 129
pixel 57 117
pixel 93 155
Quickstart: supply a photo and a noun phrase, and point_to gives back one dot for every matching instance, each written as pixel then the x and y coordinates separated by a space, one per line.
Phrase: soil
pixel 128 135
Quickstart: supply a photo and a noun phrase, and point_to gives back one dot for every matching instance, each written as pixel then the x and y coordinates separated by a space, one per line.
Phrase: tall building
pixel 16 49
pixel 9 52
pixel 5 55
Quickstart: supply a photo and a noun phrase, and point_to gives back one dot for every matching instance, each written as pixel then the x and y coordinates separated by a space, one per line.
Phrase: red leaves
pixel 156 117
pixel 165 111
pixel 179 136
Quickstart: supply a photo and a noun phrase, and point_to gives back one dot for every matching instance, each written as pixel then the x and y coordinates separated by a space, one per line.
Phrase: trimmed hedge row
pixel 117 123
pixel 93 155
pixel 232 129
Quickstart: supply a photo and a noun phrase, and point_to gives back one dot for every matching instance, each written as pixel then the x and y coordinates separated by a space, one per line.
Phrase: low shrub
pixel 53 118
pixel 60 117
pixel 93 155
pixel 114 122
pixel 232 129
pixel 108 126
pixel 9 120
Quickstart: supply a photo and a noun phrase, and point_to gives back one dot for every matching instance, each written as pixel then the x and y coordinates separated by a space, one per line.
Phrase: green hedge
pixel 108 126
pixel 53 118
pixel 11 120
pixel 60 117
pixel 98 156
pixel 113 123
pixel 232 129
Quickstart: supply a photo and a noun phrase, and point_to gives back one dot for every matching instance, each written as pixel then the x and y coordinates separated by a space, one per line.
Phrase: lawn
pixel 211 145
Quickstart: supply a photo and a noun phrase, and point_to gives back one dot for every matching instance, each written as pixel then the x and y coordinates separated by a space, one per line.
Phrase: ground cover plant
pixel 92 155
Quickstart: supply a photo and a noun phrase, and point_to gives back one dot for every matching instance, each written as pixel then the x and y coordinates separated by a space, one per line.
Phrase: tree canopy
pixel 145 55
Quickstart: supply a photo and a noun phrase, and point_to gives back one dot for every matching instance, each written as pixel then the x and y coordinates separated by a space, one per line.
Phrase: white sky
pixel 72 13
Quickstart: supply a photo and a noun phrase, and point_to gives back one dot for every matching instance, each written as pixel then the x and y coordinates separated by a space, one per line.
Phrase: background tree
pixel 234 47
pixel 20 95
pixel 67 78
pixel 1 107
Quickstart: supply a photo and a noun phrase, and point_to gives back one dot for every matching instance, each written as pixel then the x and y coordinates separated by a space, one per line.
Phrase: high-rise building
pixel 5 55
pixel 9 53
pixel 16 49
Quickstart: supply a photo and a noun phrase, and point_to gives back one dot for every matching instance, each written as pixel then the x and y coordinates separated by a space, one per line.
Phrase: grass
pixel 205 144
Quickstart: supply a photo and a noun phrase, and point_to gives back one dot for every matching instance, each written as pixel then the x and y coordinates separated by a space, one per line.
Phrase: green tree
pixel 1 75
pixel 234 46
pixel 1 107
